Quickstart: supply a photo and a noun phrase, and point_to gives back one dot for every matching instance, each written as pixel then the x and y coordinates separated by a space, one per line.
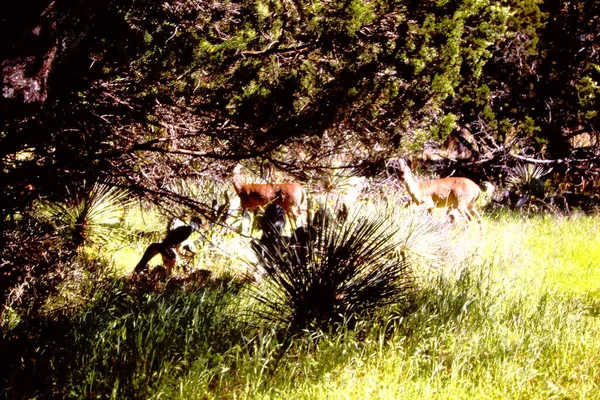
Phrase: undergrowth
pixel 483 329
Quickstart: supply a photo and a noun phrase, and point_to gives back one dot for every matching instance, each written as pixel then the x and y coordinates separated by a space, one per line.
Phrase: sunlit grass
pixel 509 309
pixel 569 251
pixel 485 331
pixel 468 339
pixel 557 252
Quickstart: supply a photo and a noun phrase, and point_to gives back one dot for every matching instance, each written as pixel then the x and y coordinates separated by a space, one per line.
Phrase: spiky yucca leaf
pixel 523 174
pixel 344 272
pixel 89 218
pixel 527 181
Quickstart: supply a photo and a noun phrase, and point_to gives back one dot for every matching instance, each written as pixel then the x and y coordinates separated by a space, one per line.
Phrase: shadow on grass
pixel 119 342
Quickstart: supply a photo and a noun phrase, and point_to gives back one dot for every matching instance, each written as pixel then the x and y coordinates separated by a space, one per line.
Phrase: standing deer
pixel 451 193
pixel 289 196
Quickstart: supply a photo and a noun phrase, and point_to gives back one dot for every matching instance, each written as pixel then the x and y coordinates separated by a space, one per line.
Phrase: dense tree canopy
pixel 150 91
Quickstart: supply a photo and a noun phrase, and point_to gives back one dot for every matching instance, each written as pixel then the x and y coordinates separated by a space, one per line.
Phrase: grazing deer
pixel 289 196
pixel 177 237
pixel 451 193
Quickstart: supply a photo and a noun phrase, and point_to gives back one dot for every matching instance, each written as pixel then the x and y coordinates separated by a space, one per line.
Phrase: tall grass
pixel 499 345
pixel 466 339
pixel 126 343
pixel 517 318
pixel 560 252
pixel 134 345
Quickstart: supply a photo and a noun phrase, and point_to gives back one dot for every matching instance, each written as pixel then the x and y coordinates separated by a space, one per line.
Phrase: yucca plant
pixel 331 273
pixel 425 240
pixel 526 181
pixel 90 218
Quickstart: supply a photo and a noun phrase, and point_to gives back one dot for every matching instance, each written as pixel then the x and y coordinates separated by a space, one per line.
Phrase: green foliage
pixel 183 84
pixel 588 92
pixel 361 13
pixel 444 127
pixel 529 128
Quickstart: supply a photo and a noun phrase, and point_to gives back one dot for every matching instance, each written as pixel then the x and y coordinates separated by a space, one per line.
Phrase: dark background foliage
pixel 150 91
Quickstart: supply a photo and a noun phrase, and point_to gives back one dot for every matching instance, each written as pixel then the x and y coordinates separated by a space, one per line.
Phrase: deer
pixel 177 237
pixel 289 196
pixel 453 193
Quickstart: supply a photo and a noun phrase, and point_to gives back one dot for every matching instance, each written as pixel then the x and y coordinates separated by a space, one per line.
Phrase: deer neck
pixel 238 181
pixel 412 186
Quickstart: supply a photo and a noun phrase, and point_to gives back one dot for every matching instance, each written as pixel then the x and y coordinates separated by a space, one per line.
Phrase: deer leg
pixel 466 212
pixel 474 212
pixel 292 213
pixel 427 205
pixel 452 212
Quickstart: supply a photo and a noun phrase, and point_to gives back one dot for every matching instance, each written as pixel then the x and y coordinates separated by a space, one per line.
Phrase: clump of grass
pixel 129 343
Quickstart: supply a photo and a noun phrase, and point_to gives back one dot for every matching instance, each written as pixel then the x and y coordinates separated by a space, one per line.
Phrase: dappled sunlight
pixel 363 199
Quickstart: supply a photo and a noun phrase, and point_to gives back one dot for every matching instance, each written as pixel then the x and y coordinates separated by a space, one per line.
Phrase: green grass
pixel 501 351
pixel 558 252
pixel 467 339
pixel 510 310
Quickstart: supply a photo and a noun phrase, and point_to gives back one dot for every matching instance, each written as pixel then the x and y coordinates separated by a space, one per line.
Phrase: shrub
pixel 340 272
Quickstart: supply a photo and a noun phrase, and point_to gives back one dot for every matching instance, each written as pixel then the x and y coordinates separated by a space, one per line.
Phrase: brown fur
pixel 452 193
pixel 289 196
